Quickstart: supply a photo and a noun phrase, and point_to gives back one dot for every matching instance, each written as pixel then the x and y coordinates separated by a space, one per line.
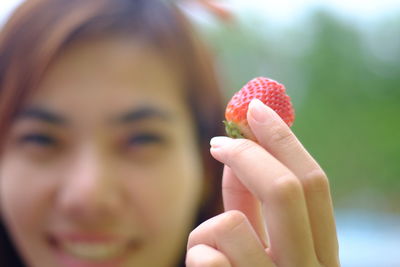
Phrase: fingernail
pixel 220 141
pixel 258 111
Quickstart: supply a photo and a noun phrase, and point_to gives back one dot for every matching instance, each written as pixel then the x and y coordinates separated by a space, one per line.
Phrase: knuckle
pixel 316 181
pixel 241 147
pixel 193 235
pixel 230 221
pixel 234 188
pixel 222 225
pixel 286 188
pixel 196 257
pixel 281 135
pixel 196 235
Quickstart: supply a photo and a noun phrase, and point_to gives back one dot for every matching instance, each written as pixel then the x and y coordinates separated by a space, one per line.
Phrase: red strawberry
pixel 270 92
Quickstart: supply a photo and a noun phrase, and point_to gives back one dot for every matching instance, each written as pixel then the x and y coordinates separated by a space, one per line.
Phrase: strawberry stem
pixel 232 130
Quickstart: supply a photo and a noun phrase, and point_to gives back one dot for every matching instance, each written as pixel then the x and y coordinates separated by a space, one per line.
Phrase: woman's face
pixel 102 168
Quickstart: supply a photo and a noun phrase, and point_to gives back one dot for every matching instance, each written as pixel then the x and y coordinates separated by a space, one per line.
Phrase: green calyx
pixel 232 129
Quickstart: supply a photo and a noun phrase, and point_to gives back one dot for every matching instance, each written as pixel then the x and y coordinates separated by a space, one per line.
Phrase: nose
pixel 89 192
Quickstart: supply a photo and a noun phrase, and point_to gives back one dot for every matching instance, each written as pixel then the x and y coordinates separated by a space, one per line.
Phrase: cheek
pixel 25 195
pixel 168 193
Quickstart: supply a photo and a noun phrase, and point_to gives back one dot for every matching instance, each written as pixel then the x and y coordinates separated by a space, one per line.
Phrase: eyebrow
pixel 42 115
pixel 133 115
pixel 143 113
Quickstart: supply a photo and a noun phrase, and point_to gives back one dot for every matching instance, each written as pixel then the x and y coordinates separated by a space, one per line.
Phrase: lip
pixel 92 249
pixel 87 237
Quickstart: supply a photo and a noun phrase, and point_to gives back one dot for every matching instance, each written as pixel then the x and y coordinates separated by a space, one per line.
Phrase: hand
pixel 278 208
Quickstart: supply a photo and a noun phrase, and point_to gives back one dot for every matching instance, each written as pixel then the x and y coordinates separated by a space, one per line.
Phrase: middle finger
pixel 280 192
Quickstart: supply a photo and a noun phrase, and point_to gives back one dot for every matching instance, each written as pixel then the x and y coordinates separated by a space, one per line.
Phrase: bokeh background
pixel 340 62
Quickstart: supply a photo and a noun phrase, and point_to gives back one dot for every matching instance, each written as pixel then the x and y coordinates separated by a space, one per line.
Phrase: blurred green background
pixel 344 79
pixel 340 63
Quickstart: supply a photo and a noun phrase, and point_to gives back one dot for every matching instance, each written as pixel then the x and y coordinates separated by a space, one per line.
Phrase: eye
pixel 38 139
pixel 146 147
pixel 145 139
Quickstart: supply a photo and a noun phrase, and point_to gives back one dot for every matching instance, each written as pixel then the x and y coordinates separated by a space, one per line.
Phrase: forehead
pixel 108 75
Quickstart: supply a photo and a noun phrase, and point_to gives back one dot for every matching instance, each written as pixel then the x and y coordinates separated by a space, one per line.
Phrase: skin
pixel 104 153
pixel 277 200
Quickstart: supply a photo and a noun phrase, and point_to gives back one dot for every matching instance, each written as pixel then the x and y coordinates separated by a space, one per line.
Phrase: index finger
pixel 279 191
pixel 276 137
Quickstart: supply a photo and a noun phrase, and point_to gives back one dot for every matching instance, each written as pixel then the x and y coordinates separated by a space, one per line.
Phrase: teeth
pixel 93 251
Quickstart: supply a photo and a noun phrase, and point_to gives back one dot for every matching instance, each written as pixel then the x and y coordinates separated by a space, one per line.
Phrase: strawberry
pixel 270 92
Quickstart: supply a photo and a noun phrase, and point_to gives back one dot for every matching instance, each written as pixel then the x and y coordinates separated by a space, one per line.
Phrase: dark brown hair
pixel 39 30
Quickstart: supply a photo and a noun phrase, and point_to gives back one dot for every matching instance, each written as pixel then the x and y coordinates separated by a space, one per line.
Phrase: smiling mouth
pixel 92 250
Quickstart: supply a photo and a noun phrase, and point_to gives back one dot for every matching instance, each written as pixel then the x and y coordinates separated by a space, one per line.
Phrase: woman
pixel 106 111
